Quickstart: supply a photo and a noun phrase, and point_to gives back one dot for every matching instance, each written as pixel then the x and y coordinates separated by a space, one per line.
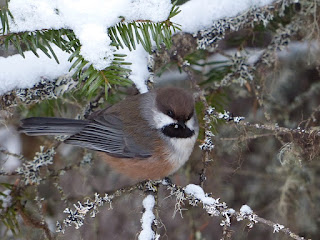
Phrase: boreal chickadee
pixel 146 136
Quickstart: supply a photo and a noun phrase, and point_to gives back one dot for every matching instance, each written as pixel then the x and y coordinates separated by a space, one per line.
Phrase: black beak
pixel 182 124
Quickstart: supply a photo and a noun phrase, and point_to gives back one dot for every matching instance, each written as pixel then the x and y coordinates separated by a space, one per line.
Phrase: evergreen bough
pixel 123 35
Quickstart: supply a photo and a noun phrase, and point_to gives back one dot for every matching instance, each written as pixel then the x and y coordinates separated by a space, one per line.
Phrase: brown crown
pixel 179 101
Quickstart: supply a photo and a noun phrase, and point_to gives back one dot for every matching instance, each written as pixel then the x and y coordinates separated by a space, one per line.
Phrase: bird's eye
pixel 170 113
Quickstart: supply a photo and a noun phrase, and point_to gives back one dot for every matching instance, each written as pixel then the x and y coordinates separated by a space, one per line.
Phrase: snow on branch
pixel 98 35
pixel 90 24
pixel 193 194
pixel 147 220
pixel 43 90
pixel 88 21
pixel 77 215
pixel 210 36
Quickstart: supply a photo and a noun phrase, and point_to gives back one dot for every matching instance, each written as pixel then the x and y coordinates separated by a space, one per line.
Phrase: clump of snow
pixel 247 213
pixel 33 15
pixel 77 13
pixel 198 192
pixel 147 219
pixel 98 52
pixel 245 209
pixel 139 67
pixel 19 72
pixel 199 14
pixel 231 211
pixel 153 10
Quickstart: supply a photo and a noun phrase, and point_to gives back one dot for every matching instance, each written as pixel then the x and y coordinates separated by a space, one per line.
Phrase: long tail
pixel 51 126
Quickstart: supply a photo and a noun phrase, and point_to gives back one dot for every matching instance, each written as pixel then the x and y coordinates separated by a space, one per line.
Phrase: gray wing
pixel 105 133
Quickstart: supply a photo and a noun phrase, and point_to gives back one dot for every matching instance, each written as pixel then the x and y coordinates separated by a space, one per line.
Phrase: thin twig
pixel 280 130
pixel 205 157
pixel 6 152
pixel 227 233
pixel 312 116
pixel 216 208
pixel 286 231
pixel 27 219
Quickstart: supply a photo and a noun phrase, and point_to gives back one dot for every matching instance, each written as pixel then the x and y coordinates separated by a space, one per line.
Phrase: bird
pixel 147 136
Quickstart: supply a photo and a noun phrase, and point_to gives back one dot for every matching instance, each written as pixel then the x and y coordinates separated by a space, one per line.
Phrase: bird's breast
pixel 181 149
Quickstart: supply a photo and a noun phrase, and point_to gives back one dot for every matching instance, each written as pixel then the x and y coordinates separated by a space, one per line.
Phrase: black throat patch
pixel 177 131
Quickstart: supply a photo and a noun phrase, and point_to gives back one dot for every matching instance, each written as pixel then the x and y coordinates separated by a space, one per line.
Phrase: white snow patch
pixel 245 209
pixel 98 52
pixel 19 72
pixel 153 10
pixel 139 66
pixel 198 192
pixel 199 14
pixel 34 15
pixel 147 219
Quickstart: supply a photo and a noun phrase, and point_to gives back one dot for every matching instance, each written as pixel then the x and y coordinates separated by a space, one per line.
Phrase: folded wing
pixel 103 133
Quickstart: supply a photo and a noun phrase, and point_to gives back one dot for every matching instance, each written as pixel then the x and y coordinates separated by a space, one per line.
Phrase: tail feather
pixel 51 126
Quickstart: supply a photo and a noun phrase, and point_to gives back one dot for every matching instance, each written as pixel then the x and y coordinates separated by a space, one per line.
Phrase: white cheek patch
pixel 191 123
pixel 160 119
